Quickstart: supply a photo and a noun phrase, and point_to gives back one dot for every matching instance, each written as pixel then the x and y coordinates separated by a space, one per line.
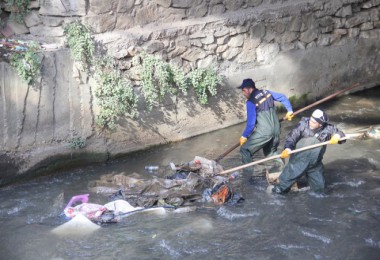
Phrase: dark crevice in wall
pixel 21 122
pixel 39 103
pixel 3 103
pixel 53 92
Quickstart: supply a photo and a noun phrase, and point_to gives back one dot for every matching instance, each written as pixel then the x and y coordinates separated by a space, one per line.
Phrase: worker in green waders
pixel 262 130
pixel 309 131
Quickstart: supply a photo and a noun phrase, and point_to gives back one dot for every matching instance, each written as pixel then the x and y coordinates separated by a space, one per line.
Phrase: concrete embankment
pixel 304 49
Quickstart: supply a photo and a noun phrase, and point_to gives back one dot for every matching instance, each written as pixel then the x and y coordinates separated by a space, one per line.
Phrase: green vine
pixel 159 78
pixel 77 143
pixel 19 9
pixel 299 101
pixel 81 44
pixel 27 63
pixel 114 94
pixel 204 82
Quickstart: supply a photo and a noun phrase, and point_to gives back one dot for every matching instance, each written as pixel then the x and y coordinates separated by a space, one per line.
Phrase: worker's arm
pixel 251 119
pixel 295 135
pixel 283 99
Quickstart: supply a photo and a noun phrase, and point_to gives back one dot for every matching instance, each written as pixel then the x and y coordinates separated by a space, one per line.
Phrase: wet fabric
pixel 223 193
pixel 307 163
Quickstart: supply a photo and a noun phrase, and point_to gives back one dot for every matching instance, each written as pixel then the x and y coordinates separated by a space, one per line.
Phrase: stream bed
pixel 343 223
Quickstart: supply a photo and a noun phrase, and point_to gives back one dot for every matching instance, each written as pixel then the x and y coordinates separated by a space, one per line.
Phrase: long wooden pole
pixel 291 152
pixel 323 100
pixel 220 157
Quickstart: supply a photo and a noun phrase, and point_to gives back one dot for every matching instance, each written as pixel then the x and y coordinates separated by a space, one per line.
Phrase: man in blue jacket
pixel 262 130
pixel 309 131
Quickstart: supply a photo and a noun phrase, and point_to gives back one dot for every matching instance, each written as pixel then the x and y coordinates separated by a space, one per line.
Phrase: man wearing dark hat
pixel 262 130
pixel 307 163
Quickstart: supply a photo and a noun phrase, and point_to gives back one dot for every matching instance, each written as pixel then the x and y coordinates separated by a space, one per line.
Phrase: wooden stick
pixel 220 157
pixel 348 136
pixel 323 100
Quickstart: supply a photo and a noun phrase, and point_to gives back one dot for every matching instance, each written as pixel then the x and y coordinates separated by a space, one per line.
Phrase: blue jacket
pixel 262 100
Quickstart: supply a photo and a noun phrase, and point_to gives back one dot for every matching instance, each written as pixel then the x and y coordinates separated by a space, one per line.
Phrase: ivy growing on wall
pixel 204 82
pixel 114 94
pixel 159 78
pixel 27 63
pixel 19 9
pixel 81 44
pixel 77 143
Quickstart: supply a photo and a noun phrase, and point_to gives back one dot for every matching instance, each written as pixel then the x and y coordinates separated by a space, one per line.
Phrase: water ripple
pixel 286 247
pixel 224 212
pixel 318 237
pixel 349 183
pixel 170 249
pixel 373 243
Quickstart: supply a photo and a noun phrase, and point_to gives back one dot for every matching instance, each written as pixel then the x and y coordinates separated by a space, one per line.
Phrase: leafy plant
pixel 19 9
pixel 77 143
pixel 204 82
pixel 114 95
pixel 27 63
pixel 159 78
pixel 299 101
pixel 80 43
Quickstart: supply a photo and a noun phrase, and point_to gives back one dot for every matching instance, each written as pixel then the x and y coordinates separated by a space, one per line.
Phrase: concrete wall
pixel 294 47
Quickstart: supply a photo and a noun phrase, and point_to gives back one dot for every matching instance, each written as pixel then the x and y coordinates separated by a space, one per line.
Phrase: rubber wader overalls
pixel 266 135
pixel 308 163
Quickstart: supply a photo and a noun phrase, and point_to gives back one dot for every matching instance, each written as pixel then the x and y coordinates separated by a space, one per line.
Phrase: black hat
pixel 320 116
pixel 247 83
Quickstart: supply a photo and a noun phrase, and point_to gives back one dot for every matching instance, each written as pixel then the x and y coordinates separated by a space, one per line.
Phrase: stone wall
pixel 295 47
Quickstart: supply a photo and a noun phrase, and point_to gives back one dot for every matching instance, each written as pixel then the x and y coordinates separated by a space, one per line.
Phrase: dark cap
pixel 247 83
pixel 320 116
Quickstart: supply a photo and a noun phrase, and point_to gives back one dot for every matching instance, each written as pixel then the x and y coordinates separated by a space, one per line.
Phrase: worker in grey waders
pixel 307 163
pixel 262 130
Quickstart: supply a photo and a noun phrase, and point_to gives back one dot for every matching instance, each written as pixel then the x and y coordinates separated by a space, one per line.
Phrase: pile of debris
pixel 196 181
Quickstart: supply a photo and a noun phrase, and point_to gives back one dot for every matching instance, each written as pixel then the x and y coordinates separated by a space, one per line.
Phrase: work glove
pixel 289 116
pixel 243 140
pixel 285 153
pixel 334 139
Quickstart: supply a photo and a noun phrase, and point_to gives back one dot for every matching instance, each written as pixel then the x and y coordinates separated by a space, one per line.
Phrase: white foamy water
pixel 354 184
pixel 225 213
pixel 318 237
pixel 372 242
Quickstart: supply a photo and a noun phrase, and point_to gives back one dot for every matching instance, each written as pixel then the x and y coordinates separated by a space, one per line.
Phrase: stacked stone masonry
pixel 292 46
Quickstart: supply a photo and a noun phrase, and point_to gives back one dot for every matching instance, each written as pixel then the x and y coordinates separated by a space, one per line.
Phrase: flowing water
pixel 343 223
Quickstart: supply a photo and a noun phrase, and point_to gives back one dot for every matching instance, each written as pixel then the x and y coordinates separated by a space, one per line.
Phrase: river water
pixel 343 223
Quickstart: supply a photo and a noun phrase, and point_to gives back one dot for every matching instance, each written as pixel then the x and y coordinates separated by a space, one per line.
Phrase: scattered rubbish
pixel 82 198
pixel 79 225
pixel 109 213
pixel 184 187
pixel 196 181
pixel 152 168
pixel 373 132
pixel 51 46
pixel 172 166
pixel 233 176
pixel 14 45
